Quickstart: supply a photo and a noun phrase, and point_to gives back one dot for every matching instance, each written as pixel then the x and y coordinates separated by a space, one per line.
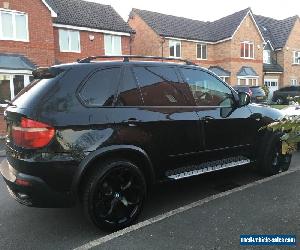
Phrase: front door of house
pixel 272 84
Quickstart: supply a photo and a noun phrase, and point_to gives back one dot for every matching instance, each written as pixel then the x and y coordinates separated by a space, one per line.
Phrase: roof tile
pixel 88 14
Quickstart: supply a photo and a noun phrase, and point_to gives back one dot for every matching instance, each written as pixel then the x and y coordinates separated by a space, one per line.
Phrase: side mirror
pixel 244 99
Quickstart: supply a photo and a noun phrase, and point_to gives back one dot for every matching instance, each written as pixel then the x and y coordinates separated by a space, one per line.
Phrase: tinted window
pixel 258 91
pixel 285 89
pixel 129 94
pixel 101 87
pixel 207 89
pixel 160 86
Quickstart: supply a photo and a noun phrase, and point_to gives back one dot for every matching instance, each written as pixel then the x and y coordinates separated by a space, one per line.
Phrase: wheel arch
pixel 129 152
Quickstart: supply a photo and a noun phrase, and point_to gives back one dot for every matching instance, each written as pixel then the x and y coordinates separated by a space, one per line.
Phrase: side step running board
pixel 207 167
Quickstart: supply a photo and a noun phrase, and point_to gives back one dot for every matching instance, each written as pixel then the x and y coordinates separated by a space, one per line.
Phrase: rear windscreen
pixel 37 88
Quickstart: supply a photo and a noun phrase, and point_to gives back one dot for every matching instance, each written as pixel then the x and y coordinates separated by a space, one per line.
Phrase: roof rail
pixel 127 57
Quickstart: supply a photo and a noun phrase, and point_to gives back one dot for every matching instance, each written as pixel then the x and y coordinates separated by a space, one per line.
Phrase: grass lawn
pixel 279 106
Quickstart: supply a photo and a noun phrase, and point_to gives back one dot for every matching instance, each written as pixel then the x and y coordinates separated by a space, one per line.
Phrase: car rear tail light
pixel 32 134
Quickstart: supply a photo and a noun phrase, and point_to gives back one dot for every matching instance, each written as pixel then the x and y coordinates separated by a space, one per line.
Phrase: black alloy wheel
pixel 114 197
pixel 271 160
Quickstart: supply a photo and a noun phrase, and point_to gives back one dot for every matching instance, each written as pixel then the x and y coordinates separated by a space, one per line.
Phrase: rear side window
pixel 129 94
pixel 101 87
pixel 160 86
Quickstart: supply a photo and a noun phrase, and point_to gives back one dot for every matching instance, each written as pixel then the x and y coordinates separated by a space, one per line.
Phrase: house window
pixel 296 57
pixel 247 50
pixel 11 85
pixel 175 48
pixel 13 26
pixel 69 41
pixel 202 51
pixel 112 45
pixel 248 81
pixel 225 78
pixel 267 56
pixel 294 82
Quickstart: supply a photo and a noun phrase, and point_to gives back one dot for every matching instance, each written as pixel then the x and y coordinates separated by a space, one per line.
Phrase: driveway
pixel 205 225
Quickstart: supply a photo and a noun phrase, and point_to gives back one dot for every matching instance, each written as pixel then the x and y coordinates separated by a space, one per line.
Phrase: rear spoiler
pixel 46 73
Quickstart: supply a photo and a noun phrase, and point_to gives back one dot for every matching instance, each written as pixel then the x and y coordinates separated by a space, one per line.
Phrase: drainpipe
pixel 162 41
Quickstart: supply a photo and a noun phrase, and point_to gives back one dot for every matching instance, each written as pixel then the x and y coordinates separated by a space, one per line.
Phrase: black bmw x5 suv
pixel 102 133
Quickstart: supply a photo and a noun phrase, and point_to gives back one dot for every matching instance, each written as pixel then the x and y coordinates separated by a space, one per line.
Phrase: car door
pixel 165 124
pixel 228 130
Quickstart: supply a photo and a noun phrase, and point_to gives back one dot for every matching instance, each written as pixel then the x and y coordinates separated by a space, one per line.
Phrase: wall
pixel 145 41
pixel 246 32
pixel 88 47
pixel 291 71
pixel 225 54
pixel 40 48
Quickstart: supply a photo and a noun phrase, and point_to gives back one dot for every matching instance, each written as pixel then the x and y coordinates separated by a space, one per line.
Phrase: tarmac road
pixel 34 228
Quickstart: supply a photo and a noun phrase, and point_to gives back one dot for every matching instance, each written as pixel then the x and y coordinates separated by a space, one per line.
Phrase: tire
pixel 114 195
pixel 279 100
pixel 270 159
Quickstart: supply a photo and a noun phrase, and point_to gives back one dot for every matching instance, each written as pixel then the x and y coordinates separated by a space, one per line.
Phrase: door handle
pixel 256 116
pixel 131 121
pixel 206 119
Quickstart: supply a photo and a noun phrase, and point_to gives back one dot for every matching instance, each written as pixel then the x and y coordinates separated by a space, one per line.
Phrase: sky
pixel 207 10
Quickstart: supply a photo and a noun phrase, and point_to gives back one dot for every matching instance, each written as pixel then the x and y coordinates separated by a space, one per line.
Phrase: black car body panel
pixel 163 137
pixel 285 95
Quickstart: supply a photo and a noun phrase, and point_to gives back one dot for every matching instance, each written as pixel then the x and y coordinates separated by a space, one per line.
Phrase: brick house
pixel 36 33
pixel 281 52
pixel 232 46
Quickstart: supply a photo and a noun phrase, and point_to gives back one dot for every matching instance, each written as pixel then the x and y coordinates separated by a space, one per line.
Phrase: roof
pixel 15 62
pixel 180 27
pixel 219 71
pixel 275 31
pixel 247 71
pixel 88 14
pixel 272 68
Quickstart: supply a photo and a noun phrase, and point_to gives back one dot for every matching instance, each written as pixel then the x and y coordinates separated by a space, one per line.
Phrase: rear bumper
pixel 36 192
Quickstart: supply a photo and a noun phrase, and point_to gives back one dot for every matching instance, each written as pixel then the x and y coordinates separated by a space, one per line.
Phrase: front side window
pixel 207 89
pixel 112 45
pixel 247 50
pixel 13 26
pixel 69 41
pixel 202 51
pixel 160 86
pixel 175 48
pixel 296 57
pixel 267 56
pixel 101 87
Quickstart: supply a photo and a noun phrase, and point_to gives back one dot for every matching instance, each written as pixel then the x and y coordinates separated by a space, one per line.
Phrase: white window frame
pixel 224 78
pixel 294 82
pixel 69 41
pixel 296 55
pixel 14 14
pixel 113 45
pixel 173 43
pixel 267 56
pixel 201 54
pixel 247 43
pixel 11 81
pixel 247 80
